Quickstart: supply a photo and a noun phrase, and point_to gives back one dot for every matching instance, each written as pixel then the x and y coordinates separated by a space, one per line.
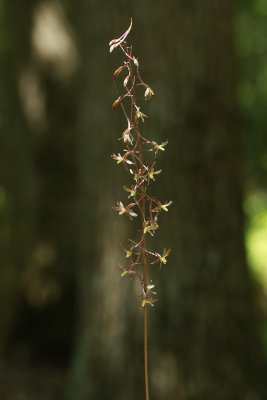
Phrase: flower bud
pixel 112 47
pixel 118 71
pixel 136 63
pixel 125 82
pixel 116 103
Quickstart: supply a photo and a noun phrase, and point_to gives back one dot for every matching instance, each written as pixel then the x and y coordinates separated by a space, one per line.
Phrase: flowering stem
pixel 142 172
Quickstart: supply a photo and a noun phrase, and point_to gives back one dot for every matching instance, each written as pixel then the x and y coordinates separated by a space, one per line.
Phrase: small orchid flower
pixel 148 300
pixel 162 207
pixel 126 135
pixel 125 210
pixel 151 227
pixel 161 258
pixel 150 287
pixel 140 115
pixel 119 158
pixel 120 208
pixel 158 147
pixel 165 254
pixel 166 205
pixel 152 172
pixel 127 271
pixel 149 93
pixel 131 190
pixel 128 251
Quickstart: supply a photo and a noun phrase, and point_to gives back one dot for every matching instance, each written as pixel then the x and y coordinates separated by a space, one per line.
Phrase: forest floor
pixel 31 382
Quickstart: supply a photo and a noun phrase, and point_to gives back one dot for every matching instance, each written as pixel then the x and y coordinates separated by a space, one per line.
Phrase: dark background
pixel 71 327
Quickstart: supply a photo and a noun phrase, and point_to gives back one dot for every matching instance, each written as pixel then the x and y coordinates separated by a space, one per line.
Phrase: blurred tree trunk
pixel 38 176
pixel 17 203
pixel 206 302
pixel 204 343
pixel 98 233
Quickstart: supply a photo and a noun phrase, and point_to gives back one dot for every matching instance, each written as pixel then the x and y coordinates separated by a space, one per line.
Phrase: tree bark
pixel 207 303
pixel 203 335
pixel 18 191
pixel 100 336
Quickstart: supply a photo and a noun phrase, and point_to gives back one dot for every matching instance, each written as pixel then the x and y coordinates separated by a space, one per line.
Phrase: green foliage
pixel 252 96
pixel 256 235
